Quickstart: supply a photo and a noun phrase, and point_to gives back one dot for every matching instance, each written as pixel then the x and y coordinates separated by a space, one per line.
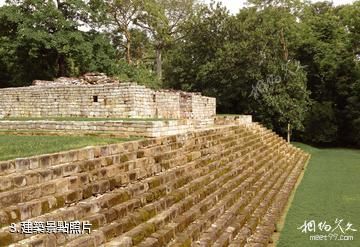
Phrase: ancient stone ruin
pixel 86 79
pixel 65 98
pixel 223 181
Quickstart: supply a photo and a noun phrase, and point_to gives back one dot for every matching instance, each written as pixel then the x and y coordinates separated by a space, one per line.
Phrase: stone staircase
pixel 224 186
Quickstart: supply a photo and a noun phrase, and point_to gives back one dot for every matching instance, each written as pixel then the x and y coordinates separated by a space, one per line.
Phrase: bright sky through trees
pixel 235 5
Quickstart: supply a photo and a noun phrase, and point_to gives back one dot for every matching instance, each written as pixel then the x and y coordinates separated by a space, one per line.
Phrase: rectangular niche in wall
pixel 95 98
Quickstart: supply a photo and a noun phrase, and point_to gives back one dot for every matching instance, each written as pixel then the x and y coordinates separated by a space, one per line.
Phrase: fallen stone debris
pixel 86 79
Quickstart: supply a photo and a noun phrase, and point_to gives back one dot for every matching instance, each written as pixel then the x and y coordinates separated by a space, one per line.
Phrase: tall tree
pixel 164 21
pixel 235 57
pixel 286 101
pixel 42 40
pixel 327 51
pixel 350 17
pixel 117 17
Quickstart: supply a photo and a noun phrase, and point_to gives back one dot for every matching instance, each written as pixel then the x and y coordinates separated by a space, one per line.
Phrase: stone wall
pixel 168 104
pixel 232 119
pixel 202 107
pixel 217 187
pixel 124 128
pixel 118 127
pixel 107 100
pixel 85 101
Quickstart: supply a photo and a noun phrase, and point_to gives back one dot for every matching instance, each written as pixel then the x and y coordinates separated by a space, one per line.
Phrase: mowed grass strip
pixel 329 190
pixel 15 146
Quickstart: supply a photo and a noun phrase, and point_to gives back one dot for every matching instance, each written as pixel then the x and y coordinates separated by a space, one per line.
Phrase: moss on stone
pixel 178 195
pixel 45 207
pixel 154 183
pixel 146 230
pixel 72 197
pixel 60 201
pixel 109 161
pixel 144 215
pixel 124 158
pixel 187 243
pixel 128 223
pixel 5 238
pixel 87 192
pixel 151 211
pixel 149 197
pixel 94 223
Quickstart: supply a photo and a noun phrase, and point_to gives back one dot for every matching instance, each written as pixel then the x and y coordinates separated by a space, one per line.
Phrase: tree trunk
pixel 57 3
pixel 283 42
pixel 128 52
pixel 288 132
pixel 158 63
pixel 128 46
pixel 61 66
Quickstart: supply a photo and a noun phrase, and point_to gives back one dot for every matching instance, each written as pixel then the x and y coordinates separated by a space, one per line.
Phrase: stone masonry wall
pixel 232 119
pixel 202 107
pixel 85 101
pixel 119 127
pixel 168 104
pixel 108 100
pixel 185 104
pixel 225 186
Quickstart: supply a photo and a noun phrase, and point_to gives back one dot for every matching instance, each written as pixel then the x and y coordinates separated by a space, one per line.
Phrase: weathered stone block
pixel 6 183
pixel 73 196
pixel 22 164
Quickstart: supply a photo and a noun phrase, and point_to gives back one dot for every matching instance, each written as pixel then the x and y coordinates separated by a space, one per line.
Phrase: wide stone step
pixel 207 219
pixel 256 209
pixel 221 192
pixel 269 203
pixel 192 230
pixel 52 185
pixel 167 214
pixel 210 235
pixel 261 235
pixel 178 191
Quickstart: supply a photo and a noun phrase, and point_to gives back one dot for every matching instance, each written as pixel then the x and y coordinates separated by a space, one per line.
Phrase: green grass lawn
pixel 13 146
pixel 80 119
pixel 330 189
